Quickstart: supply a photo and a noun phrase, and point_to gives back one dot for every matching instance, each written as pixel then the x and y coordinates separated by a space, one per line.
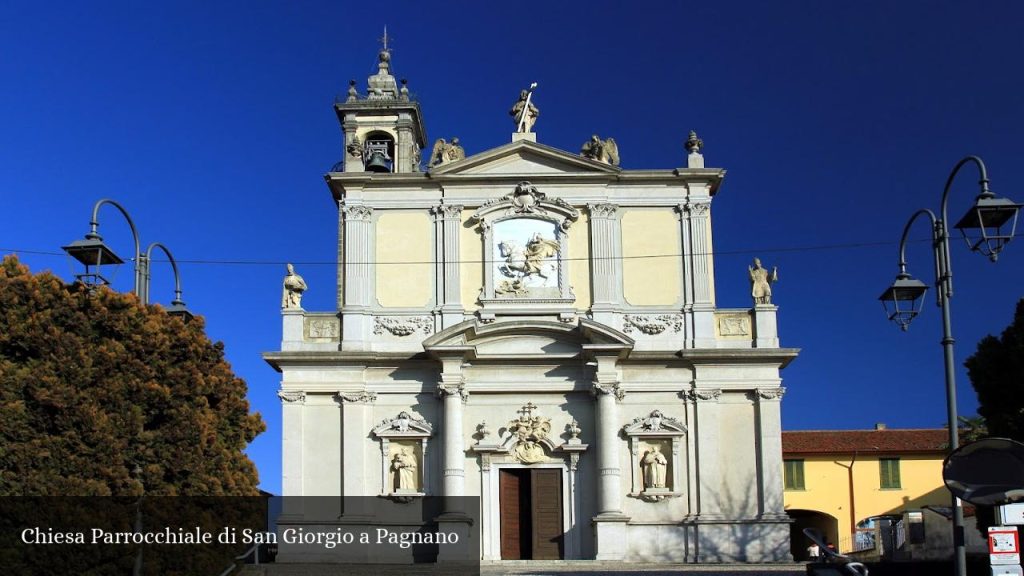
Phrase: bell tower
pixel 383 130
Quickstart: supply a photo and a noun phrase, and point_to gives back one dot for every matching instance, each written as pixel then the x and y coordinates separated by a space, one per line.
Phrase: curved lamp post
pixel 93 253
pixel 177 307
pixel 987 227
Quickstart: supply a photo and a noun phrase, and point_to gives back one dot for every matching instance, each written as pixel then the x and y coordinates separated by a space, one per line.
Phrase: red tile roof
pixel 864 441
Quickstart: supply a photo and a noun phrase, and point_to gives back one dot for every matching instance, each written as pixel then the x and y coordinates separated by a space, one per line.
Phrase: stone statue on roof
pixel 445 152
pixel 524 112
pixel 761 282
pixel 294 286
pixel 606 151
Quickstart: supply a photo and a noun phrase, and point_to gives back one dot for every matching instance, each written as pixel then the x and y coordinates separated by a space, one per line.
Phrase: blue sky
pixel 212 123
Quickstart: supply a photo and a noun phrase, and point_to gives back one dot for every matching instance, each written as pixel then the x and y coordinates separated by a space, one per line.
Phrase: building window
pixel 889 473
pixel 794 472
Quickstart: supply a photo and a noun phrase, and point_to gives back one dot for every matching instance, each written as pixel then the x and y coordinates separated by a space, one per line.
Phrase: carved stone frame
pixel 526 202
pixel 495 456
pixel 656 426
pixel 404 426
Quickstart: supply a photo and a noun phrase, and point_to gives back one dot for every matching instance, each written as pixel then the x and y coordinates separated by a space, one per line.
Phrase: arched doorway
pixel 824 523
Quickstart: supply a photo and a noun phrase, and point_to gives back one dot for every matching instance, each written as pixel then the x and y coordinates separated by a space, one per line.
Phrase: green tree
pixel 101 395
pixel 997 373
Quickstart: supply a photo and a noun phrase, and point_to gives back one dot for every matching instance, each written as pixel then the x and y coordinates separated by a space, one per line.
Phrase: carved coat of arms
pixel 528 431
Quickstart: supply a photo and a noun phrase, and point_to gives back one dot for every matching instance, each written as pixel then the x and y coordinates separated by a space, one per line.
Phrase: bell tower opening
pixel 383 128
pixel 379 152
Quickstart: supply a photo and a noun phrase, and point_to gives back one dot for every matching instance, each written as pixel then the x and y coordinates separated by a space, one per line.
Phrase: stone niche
pixel 656 462
pixel 403 456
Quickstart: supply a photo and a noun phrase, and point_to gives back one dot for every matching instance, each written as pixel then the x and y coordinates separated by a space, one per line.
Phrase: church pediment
pixel 526 338
pixel 523 158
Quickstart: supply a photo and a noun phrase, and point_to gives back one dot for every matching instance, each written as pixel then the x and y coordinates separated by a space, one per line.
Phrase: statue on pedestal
pixel 761 282
pixel 294 286
pixel 654 464
pixel 404 465
pixel 524 112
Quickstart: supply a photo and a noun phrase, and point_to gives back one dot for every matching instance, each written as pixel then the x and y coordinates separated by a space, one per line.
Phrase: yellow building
pixel 838 480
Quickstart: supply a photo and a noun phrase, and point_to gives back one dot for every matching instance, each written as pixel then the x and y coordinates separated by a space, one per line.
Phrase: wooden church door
pixel 530 503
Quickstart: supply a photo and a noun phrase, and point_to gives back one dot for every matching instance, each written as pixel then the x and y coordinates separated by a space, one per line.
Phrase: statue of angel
pixel 437 154
pixel 606 151
pixel 455 151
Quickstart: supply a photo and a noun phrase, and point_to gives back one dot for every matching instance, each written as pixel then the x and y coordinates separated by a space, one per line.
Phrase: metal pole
pixel 94 224
pixel 941 249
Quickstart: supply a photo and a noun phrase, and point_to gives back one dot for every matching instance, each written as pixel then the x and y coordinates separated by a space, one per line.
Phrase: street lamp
pixel 984 228
pixel 177 307
pixel 93 253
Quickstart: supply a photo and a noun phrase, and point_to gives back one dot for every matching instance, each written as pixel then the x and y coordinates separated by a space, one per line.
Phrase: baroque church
pixel 504 332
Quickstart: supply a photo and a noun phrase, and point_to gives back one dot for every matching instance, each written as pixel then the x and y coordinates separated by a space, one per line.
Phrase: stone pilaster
pixel 610 522
pixel 698 281
pixel 358 268
pixel 355 422
pixel 769 431
pixel 448 222
pixel 709 453
pixel 292 405
pixel 606 271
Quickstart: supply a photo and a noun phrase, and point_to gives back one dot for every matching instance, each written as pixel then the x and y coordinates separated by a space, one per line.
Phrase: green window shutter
pixel 889 473
pixel 794 474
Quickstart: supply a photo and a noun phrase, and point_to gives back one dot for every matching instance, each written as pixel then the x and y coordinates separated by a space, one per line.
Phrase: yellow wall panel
pixel 651 260
pixel 471 270
pixel 404 259
pixel 579 261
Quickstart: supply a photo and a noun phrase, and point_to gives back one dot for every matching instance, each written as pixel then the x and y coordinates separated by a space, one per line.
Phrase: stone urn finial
pixel 694 145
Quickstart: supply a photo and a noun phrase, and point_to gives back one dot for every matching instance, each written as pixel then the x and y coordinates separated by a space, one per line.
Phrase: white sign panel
pixel 1003 545
pixel 1011 514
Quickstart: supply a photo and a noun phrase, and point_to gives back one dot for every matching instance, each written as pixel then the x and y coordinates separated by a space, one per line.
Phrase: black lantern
pixel 989 224
pixel 903 300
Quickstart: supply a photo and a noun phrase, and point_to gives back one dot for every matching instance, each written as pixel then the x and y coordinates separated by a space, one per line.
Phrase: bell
pixel 378 162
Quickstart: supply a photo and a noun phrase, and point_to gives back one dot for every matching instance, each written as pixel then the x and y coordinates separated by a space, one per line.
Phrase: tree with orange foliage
pixel 102 395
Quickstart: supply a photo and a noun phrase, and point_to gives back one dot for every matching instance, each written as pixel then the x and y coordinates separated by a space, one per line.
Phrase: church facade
pixel 536 328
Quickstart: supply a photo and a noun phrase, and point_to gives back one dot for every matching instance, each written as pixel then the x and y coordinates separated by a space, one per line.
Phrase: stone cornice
pixel 780 356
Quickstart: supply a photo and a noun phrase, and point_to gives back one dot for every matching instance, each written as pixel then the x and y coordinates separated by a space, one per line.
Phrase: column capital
pixel 694 208
pixel 608 389
pixel 292 396
pixel 445 390
pixel 363 397
pixel 357 212
pixel 770 393
pixel 447 210
pixel 705 394
pixel 603 210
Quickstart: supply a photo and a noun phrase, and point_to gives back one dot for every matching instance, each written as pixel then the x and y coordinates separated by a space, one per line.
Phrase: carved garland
pixel 402 326
pixel 652 325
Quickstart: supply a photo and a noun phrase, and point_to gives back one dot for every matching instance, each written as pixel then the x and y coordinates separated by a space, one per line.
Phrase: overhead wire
pixel 782 249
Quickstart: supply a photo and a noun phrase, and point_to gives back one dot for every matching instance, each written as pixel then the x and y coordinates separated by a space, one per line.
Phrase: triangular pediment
pixel 523 158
